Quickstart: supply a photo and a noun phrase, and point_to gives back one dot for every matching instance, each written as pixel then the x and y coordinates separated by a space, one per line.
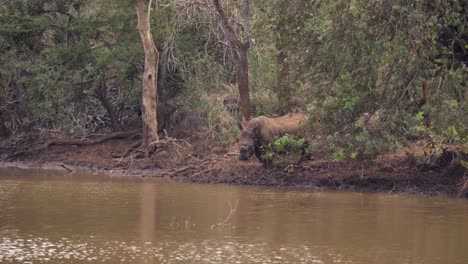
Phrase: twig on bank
pixel 70 170
pixel 174 140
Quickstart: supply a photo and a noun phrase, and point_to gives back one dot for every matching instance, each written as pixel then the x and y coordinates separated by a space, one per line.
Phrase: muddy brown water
pixel 47 217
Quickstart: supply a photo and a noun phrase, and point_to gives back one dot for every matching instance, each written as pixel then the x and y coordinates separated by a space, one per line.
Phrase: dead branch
pixel 168 139
pixel 407 87
pixel 231 212
pixel 183 169
pixel 205 171
pixel 70 170
pixel 229 31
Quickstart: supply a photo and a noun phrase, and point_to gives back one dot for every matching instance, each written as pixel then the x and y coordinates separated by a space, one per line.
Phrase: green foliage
pixel 65 48
pixel 356 58
pixel 464 163
pixel 288 143
pixel 339 155
pixel 285 151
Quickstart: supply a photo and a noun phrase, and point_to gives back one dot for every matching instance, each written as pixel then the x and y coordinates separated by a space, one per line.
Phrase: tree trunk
pixel 150 77
pixel 282 81
pixel 101 95
pixel 242 47
pixel 243 83
pixel 283 35
pixel 163 71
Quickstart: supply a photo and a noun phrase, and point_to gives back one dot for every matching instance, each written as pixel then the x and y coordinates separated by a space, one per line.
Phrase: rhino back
pixel 270 128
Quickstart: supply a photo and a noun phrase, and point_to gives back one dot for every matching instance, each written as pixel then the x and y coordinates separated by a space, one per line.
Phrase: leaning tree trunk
pixel 282 81
pixel 242 47
pixel 101 95
pixel 243 83
pixel 149 92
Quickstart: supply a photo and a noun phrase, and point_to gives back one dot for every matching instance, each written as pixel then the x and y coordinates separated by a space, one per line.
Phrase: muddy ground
pixel 406 171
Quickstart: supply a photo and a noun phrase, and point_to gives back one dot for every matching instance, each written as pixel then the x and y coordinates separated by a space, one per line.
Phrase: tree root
pixel 129 150
pixel 88 142
pixel 464 188
pixel 155 147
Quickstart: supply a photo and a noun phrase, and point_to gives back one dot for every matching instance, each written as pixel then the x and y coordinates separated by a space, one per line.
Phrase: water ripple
pixel 64 250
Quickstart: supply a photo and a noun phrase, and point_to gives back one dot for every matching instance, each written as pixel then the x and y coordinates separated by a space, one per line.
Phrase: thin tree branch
pixel 149 9
pixel 227 27
pixel 245 17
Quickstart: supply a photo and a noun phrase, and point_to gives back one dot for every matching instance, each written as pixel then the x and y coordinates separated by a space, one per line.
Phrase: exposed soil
pixel 177 160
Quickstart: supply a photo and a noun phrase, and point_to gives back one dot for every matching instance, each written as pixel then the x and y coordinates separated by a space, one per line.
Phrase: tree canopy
pixel 375 73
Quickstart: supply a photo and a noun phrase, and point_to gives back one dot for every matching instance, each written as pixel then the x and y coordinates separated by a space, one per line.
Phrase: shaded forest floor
pixel 401 172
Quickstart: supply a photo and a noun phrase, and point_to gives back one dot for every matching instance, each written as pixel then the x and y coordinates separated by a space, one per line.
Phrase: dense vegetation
pixel 375 73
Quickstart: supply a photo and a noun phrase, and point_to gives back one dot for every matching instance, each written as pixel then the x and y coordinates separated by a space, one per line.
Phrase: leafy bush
pixel 285 151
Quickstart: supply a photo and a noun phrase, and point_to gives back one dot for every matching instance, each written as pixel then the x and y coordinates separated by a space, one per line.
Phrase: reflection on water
pixel 46 218
pixel 42 250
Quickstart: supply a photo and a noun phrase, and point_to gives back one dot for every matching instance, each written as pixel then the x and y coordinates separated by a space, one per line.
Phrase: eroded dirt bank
pixel 392 173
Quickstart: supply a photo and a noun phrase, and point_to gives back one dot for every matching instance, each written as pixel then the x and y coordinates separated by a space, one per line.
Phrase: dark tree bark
pixel 240 54
pixel 101 95
pixel 163 71
pixel 283 90
pixel 422 101
pixel 243 83
pixel 150 77
pixel 4 131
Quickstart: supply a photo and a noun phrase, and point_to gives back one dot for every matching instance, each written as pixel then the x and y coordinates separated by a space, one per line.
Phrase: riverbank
pixel 401 172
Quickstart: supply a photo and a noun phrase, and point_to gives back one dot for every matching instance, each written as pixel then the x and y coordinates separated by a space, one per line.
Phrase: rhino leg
pixel 259 153
pixel 304 155
pixel 267 164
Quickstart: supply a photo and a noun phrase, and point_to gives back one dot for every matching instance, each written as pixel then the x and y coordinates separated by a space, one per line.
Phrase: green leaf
pixel 420 116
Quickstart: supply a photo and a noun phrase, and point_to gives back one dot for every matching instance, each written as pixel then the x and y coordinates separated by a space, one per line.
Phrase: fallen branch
pixel 70 170
pixel 171 174
pixel 183 169
pixel 205 172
